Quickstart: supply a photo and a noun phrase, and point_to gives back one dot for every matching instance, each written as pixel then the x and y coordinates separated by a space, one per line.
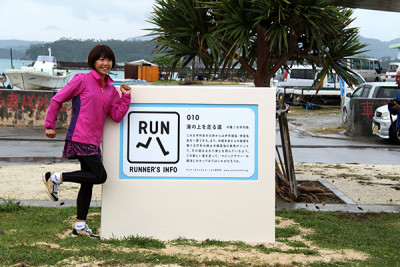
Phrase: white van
pixel 298 76
pixel 369 68
pixel 390 75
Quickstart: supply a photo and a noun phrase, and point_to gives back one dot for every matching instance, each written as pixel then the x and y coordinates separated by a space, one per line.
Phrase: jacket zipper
pixel 98 113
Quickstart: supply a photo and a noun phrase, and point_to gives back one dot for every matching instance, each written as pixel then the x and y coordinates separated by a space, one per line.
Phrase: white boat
pixel 3 79
pixel 44 75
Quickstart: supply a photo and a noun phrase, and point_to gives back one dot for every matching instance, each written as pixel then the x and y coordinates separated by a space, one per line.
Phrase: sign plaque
pixel 192 162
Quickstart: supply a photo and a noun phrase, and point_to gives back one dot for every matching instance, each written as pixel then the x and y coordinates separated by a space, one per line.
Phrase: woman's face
pixel 103 66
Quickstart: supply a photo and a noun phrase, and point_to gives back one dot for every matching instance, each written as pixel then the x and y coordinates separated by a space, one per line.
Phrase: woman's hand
pixel 125 89
pixel 50 133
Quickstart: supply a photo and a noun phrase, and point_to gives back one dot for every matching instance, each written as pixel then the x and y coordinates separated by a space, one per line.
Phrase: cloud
pixel 51 28
pixel 380 25
pixel 49 20
pixel 90 19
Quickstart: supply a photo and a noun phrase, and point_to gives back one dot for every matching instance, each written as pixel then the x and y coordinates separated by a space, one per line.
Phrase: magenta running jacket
pixel 91 102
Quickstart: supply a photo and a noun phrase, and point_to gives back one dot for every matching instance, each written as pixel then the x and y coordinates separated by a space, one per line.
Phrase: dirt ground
pixel 365 184
pixel 282 252
pixel 325 120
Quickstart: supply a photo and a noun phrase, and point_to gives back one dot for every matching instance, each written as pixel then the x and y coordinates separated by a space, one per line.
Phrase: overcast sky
pixel 50 20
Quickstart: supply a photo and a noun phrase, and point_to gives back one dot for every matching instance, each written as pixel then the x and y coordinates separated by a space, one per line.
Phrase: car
pixel 384 125
pixel 390 75
pixel 384 90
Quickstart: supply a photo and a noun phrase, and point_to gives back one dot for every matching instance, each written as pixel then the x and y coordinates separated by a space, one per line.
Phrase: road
pixel 307 147
pixel 29 145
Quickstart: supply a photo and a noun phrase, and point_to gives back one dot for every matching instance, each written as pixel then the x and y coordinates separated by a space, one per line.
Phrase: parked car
pixel 384 126
pixel 390 75
pixel 384 90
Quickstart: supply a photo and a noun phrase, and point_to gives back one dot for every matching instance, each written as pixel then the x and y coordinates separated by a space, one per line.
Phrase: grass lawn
pixel 32 236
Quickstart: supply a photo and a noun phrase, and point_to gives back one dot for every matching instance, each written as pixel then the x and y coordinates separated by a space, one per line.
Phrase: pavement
pixel 36 134
pixel 14 142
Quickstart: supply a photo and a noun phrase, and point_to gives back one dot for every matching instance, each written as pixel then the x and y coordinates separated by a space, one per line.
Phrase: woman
pixel 93 98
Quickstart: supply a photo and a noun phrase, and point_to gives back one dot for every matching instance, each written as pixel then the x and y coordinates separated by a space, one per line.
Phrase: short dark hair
pixel 100 51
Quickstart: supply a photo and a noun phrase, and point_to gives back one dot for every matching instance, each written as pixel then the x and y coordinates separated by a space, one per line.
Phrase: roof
pixel 383 5
pixel 394 45
pixel 141 62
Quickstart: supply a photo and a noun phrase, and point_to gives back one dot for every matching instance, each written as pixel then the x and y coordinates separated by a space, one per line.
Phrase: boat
pixel 3 79
pixel 43 75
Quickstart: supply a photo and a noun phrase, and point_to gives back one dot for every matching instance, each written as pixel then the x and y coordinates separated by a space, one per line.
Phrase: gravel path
pixel 364 184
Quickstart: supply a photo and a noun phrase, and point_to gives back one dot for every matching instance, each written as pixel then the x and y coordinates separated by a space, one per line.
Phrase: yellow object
pixel 148 73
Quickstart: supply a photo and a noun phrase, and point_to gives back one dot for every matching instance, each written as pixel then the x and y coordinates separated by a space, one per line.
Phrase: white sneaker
pixel 51 187
pixel 84 232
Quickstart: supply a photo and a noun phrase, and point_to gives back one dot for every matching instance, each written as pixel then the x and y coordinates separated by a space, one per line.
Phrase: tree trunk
pixel 287 151
pixel 259 82
pixel 262 79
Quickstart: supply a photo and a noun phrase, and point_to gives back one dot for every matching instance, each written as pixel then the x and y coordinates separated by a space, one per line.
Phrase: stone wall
pixel 19 108
pixel 361 113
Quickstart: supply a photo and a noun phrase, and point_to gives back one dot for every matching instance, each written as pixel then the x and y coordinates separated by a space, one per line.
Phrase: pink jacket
pixel 90 105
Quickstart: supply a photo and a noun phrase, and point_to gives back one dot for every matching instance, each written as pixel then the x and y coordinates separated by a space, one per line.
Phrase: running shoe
pixel 51 187
pixel 84 232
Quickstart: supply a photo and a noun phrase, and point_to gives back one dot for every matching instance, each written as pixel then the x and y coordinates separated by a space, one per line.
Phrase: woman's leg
pixel 92 172
pixel 83 201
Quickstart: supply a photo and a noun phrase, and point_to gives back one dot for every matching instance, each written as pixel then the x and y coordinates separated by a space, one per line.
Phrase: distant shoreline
pixel 80 65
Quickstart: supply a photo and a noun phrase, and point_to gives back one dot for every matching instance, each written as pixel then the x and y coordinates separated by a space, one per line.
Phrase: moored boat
pixel 3 79
pixel 43 75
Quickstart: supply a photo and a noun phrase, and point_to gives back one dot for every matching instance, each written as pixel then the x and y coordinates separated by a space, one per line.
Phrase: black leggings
pixel 92 172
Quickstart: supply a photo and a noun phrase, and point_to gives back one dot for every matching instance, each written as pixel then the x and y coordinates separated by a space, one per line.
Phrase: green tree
pixel 78 50
pixel 260 35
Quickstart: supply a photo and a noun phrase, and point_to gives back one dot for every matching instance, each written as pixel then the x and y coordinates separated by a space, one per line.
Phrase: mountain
pixel 19 47
pixel 134 47
pixel 140 38
pixel 18 44
pixel 379 49
pixel 78 50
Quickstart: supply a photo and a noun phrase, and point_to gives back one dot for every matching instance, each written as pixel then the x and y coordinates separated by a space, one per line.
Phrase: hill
pixel 135 48
pixel 18 47
pixel 77 50
pixel 379 49
pixel 18 43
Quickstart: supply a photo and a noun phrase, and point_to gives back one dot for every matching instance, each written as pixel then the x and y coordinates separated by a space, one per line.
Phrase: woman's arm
pixel 120 105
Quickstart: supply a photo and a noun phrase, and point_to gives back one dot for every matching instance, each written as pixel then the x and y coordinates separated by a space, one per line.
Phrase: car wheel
pixel 394 134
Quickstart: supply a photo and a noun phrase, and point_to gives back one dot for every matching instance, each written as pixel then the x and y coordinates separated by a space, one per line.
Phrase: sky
pixel 49 20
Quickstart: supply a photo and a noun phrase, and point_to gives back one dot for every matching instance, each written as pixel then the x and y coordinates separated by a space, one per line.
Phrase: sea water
pixel 5 64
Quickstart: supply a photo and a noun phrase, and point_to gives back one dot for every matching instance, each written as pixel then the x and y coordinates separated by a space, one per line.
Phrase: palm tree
pixel 182 28
pixel 262 36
